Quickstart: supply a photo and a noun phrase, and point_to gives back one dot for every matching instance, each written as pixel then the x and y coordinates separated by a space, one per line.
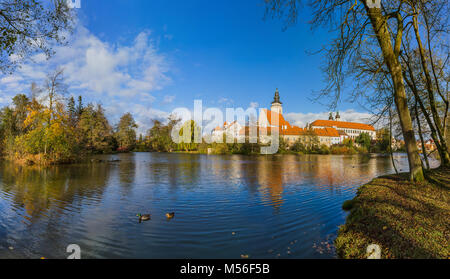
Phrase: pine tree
pixel 72 112
pixel 80 107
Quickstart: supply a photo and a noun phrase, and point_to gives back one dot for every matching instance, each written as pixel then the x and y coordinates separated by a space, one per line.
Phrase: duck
pixel 170 215
pixel 144 217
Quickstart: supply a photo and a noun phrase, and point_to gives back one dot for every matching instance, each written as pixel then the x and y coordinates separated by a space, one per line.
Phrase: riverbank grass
pixel 407 220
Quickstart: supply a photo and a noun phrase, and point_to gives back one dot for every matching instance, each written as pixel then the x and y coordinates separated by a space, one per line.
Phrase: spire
pixel 338 117
pixel 276 99
pixel 331 116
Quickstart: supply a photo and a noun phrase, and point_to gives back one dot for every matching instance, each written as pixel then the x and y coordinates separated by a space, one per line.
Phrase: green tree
pixel 71 110
pixel 187 136
pixel 80 107
pixel 298 146
pixel 383 140
pixel 159 136
pixel 364 140
pixel 126 133
pixel 95 132
pixel 8 130
pixel 20 103
pixel 31 26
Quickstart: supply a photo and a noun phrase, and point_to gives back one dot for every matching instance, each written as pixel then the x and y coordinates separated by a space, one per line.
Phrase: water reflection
pixel 277 206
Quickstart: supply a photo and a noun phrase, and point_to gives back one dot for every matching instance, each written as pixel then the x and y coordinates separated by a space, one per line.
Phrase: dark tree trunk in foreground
pixel 429 86
pixel 390 55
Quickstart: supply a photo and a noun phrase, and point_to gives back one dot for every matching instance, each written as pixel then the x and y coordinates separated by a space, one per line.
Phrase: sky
pixel 150 57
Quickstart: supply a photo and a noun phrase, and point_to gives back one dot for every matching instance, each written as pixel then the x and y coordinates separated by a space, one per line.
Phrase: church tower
pixel 276 104
pixel 338 116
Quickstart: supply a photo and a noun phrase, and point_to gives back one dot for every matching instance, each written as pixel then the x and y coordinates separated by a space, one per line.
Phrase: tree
pixel 383 140
pixel 95 133
pixel 20 103
pixel 363 29
pixel 80 107
pixel 159 136
pixel 73 119
pixel 187 136
pixel 54 139
pixel 31 26
pixel 364 140
pixel 126 133
pixel 298 146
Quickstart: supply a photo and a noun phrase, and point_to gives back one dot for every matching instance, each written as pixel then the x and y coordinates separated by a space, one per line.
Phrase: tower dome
pixel 277 104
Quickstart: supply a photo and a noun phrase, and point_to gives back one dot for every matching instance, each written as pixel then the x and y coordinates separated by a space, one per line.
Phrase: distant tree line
pixel 159 139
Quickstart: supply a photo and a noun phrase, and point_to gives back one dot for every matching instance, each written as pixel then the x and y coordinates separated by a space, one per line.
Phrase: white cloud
pixel 301 119
pixel 121 77
pixel 225 101
pixel 168 99
pixel 254 104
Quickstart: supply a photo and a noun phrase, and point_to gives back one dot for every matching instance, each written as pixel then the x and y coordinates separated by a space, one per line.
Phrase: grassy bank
pixel 407 220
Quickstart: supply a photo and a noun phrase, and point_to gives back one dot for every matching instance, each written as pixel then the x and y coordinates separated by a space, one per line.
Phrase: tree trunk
pixel 412 85
pixel 391 153
pixel 424 150
pixel 445 160
pixel 380 28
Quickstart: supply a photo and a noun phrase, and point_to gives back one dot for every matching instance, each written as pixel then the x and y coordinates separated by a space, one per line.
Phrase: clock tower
pixel 276 104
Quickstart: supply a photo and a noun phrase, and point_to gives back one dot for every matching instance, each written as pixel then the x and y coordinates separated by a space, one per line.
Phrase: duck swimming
pixel 144 217
pixel 170 215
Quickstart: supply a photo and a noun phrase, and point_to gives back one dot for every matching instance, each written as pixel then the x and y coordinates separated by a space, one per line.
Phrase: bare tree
pixel 364 31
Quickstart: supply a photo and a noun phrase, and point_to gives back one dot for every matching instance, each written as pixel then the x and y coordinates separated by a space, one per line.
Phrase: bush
pixel 348 205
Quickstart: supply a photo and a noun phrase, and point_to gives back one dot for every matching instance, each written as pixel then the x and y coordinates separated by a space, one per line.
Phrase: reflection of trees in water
pixel 176 170
pixel 56 188
pixel 127 173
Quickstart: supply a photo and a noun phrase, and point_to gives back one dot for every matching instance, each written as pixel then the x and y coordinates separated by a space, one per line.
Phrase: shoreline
pixel 40 162
pixel 407 220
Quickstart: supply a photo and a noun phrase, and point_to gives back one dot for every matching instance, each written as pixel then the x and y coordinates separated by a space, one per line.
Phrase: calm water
pixel 226 206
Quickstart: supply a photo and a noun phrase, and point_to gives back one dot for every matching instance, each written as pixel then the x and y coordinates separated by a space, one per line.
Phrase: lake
pixel 281 206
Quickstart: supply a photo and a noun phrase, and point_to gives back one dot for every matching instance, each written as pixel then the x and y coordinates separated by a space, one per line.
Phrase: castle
pixel 329 132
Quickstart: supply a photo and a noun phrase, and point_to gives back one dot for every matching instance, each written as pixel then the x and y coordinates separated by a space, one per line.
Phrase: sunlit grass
pixel 407 220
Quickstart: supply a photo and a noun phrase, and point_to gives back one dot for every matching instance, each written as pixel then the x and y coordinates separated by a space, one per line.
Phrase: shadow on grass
pixel 407 220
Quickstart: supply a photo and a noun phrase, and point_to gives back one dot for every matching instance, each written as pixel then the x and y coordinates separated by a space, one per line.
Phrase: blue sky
pixel 150 57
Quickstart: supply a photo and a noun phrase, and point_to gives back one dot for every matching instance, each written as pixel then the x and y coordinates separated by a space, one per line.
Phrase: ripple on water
pixel 225 206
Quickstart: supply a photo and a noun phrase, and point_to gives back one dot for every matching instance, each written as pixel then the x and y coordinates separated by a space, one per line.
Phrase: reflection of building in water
pixel 271 180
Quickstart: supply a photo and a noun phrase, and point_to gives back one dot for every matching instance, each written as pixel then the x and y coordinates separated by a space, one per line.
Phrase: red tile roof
pixel 281 121
pixel 327 132
pixel 292 131
pixel 340 124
